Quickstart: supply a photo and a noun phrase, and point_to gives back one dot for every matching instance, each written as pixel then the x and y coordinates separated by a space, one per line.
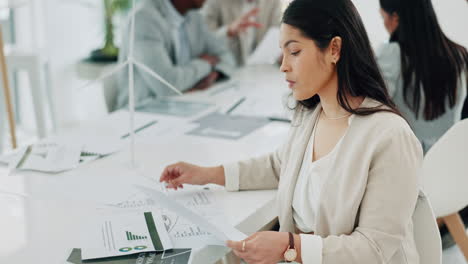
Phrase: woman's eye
pixel 295 53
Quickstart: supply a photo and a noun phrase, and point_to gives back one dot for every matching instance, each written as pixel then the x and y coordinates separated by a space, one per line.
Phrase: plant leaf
pixel 121 5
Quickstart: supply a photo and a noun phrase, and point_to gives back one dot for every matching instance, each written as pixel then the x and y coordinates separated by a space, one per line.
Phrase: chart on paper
pixel 183 233
pixel 117 235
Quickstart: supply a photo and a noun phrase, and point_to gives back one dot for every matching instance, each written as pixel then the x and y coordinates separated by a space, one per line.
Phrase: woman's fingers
pixel 166 174
pixel 236 245
pixel 240 254
pixel 171 172
pixel 180 173
pixel 248 24
pixel 163 176
pixel 170 185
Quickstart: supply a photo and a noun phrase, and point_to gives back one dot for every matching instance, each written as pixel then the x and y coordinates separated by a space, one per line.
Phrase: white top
pixel 307 195
pixel 309 184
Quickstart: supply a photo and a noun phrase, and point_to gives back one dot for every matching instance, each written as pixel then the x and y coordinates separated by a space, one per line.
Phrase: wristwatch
pixel 290 254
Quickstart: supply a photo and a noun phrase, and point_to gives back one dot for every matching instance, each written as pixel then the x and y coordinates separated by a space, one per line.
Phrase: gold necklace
pixel 335 118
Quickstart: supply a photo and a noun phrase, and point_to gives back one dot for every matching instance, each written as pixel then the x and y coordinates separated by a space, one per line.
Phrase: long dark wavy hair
pixel 358 73
pixel 431 62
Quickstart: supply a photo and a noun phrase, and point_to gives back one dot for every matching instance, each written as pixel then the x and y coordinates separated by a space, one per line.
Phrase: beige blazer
pixel 220 13
pixel 368 198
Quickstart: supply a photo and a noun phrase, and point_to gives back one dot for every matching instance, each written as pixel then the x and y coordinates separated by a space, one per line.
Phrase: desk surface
pixel 42 213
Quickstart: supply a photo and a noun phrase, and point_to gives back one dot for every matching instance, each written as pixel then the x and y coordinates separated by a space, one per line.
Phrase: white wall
pixel 452 15
pixel 369 11
pixel 73 31
pixel 64 32
pixel 453 18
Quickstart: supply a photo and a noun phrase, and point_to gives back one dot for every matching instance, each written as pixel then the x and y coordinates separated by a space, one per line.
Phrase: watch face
pixel 290 255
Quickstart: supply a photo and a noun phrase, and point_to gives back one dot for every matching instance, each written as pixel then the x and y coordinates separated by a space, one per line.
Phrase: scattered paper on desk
pixel 167 106
pixel 175 256
pixel 267 52
pixel 102 146
pixel 47 157
pixel 118 235
pixel 84 159
pixel 183 233
pixel 223 126
pixel 258 105
pixel 195 199
pixel 221 231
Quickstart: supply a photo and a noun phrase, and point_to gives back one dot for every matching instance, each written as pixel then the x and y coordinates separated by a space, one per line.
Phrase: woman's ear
pixel 335 49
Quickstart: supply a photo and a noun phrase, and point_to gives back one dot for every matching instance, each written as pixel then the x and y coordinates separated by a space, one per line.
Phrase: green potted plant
pixel 110 52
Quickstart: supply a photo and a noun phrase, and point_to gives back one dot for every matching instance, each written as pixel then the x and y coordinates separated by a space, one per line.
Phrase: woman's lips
pixel 291 83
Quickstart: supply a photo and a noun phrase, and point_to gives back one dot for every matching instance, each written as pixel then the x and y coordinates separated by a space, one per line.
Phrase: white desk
pixel 41 213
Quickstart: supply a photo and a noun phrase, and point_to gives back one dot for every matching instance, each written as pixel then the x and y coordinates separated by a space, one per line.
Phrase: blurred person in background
pixel 173 40
pixel 243 22
pixel 425 71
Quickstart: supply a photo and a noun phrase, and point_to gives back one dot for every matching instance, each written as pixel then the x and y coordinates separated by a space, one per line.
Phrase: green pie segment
pixel 125 249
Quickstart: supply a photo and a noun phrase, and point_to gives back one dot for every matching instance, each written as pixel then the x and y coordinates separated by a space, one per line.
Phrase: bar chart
pixel 132 237
pixel 190 231
pixel 199 199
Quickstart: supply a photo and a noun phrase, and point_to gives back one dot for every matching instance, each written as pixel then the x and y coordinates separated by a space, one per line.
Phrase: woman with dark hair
pixel 425 71
pixel 347 175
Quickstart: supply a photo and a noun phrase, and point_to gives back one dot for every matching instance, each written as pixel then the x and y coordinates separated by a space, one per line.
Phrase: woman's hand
pixel 205 83
pixel 262 247
pixel 184 173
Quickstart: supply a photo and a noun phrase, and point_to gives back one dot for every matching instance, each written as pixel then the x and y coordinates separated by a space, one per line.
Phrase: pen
pixel 279 119
pixel 235 105
pixel 139 129
pixel 25 155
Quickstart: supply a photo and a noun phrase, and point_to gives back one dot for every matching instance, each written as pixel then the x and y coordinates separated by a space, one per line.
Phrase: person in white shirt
pixel 243 22
pixel 347 175
pixel 173 40
pixel 425 71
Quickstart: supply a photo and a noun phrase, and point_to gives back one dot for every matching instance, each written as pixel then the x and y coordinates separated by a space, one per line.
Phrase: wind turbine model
pixel 131 62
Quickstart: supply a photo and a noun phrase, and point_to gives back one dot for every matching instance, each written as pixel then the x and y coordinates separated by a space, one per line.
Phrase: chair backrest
pixel 445 171
pixel 426 232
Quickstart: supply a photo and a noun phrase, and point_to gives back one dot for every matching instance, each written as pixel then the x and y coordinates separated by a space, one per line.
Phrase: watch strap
pixel 291 240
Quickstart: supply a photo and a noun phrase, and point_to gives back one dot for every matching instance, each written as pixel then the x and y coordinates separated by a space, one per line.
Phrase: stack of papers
pixel 227 126
pixel 134 237
pixel 120 235
pixel 185 231
pixel 174 107
pixel 59 155
pixel 45 157
pixel 219 229
pixel 175 256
